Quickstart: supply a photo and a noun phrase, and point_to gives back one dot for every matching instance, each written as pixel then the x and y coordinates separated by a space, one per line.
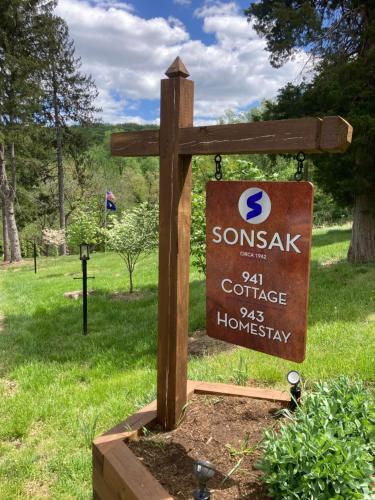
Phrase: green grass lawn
pixel 58 388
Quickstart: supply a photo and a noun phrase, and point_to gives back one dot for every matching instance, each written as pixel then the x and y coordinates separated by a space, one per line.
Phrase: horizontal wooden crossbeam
pixel 311 135
pixel 142 143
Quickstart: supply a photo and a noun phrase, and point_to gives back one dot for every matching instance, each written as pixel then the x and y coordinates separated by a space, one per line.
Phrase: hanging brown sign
pixel 258 264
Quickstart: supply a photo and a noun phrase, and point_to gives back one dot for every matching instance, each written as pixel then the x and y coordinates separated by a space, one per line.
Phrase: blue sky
pixel 182 10
pixel 127 46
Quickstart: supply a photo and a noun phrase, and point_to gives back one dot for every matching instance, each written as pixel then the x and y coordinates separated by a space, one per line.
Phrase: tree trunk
pixel 6 243
pixel 60 174
pixel 131 281
pixel 362 245
pixel 8 196
pixel 59 161
pixel 15 249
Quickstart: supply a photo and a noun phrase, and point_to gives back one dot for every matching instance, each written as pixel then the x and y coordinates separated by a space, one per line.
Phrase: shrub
pixel 27 236
pixel 327 452
pixel 327 211
pixel 84 228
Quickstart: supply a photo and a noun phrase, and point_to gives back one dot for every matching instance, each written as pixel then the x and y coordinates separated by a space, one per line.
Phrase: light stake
pixel 84 255
pixel 34 254
pixel 203 471
pixel 294 379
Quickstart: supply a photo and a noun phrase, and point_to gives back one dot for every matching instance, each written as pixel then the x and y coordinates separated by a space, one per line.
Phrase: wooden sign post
pixel 175 143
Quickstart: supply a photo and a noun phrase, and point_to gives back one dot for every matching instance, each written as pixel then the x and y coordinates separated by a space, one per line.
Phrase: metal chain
pixel 300 159
pixel 218 170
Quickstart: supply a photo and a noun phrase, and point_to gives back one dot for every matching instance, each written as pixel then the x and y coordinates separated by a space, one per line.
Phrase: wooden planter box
pixel 117 472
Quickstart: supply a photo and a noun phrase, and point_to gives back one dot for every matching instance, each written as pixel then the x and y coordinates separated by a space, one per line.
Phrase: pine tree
pixel 21 23
pixel 68 95
pixel 340 35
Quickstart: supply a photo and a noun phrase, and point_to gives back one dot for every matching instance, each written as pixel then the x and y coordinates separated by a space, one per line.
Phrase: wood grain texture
pixel 174 250
pixel 102 489
pixel 97 458
pixel 282 136
pixel 177 68
pixel 98 452
pixel 141 143
pixel 129 478
pixel 247 392
pixel 191 386
pixel 311 135
pixel 336 134
pixel 117 436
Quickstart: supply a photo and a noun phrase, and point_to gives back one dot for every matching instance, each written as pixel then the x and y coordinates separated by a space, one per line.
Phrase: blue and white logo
pixel 254 205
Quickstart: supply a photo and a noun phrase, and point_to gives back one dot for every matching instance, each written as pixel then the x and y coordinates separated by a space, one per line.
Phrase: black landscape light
pixel 294 379
pixel 84 255
pixel 203 471
pixel 84 252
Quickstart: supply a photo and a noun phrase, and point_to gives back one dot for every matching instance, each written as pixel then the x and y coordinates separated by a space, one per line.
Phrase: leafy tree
pixel 84 228
pixel 341 35
pixel 78 141
pixel 136 179
pixel 68 94
pixel 29 235
pixel 136 233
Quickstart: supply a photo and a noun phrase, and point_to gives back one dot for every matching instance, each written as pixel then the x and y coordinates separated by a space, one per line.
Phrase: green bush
pixel 327 452
pixel 27 235
pixel 327 211
pixel 84 228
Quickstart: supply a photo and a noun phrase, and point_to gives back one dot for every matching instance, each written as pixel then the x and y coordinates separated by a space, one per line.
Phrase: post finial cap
pixel 177 68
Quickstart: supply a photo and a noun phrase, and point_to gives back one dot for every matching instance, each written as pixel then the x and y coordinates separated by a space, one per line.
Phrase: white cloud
pixel 216 8
pixel 173 21
pixel 128 55
pixel 108 4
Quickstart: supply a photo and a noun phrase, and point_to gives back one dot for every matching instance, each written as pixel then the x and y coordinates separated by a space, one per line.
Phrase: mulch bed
pixel 127 296
pixel 76 294
pixel 214 428
pixel 199 344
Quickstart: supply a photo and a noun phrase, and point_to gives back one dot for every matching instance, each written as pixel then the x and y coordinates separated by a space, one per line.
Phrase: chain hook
pixel 300 157
pixel 218 169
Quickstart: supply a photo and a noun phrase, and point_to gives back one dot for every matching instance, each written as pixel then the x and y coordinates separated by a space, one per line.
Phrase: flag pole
pixel 109 204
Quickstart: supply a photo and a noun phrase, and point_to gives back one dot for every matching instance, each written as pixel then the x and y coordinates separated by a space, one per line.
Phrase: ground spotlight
pixel 203 471
pixel 294 379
